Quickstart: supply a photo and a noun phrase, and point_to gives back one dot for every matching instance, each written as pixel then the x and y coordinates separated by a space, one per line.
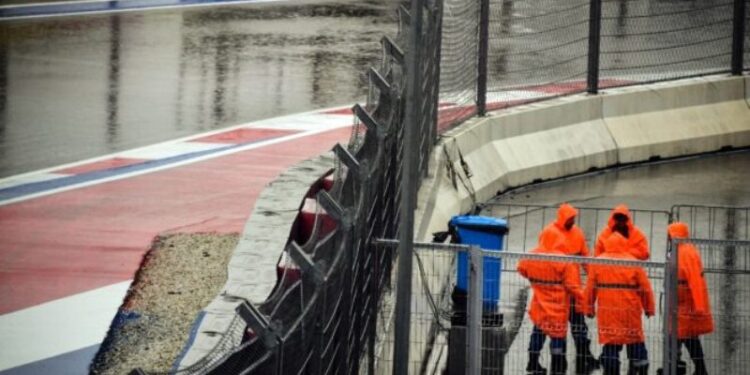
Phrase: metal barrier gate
pixel 526 221
pixel 715 222
pixel 503 349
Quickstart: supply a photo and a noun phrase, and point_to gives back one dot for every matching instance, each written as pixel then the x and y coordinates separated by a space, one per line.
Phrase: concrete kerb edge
pixel 265 235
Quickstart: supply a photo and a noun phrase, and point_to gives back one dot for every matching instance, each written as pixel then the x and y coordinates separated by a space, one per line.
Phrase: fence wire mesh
pixel 709 222
pixel 534 46
pixel 726 270
pixel 439 327
pixel 544 49
pixel 329 312
pixel 527 221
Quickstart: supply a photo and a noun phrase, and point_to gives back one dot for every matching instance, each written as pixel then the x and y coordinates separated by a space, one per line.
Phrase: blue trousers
pixel 536 343
pixel 578 328
pixel 637 355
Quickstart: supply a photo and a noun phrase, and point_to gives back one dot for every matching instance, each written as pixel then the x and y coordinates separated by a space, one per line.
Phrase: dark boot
pixel 639 370
pixel 533 367
pixel 700 367
pixel 610 367
pixel 586 363
pixel 681 369
pixel 559 364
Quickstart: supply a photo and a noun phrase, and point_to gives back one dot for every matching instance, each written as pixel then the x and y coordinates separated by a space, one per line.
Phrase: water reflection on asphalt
pixel 79 87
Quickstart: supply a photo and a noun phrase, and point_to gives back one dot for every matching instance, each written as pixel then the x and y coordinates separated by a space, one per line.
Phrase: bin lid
pixel 480 223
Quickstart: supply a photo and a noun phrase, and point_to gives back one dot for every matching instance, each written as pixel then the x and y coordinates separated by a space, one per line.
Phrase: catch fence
pixel 715 222
pixel 451 60
pixel 726 270
pixel 531 50
pixel 445 338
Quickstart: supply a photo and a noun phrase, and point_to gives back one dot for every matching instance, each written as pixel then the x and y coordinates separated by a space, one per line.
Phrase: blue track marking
pixel 73 8
pixel 41 186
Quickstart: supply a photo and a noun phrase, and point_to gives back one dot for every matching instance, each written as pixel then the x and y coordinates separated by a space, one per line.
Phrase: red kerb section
pixel 244 135
pixel 87 238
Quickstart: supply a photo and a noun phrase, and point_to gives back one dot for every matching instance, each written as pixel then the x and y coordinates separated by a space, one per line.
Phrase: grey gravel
pixel 180 275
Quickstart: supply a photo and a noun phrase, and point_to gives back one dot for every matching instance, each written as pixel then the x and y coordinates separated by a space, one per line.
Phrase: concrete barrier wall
pixel 577 134
pixel 252 269
pixel 516 147
pixel 672 120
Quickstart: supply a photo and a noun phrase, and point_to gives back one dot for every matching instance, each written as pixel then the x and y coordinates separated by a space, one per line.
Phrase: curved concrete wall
pixel 579 133
pixel 512 148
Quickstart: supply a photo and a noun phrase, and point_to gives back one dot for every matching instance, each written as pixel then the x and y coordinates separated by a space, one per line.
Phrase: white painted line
pixel 134 9
pixel 305 122
pixel 177 140
pixel 513 95
pixel 27 179
pixel 173 165
pixel 169 150
pixel 58 326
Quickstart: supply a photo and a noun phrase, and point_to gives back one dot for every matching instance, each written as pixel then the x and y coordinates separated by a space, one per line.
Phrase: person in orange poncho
pixel 553 284
pixel 620 221
pixel 575 244
pixel 693 307
pixel 621 295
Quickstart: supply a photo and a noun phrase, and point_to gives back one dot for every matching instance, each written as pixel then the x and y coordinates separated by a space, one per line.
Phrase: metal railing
pixel 451 60
pixel 527 221
pixel 443 338
pixel 715 222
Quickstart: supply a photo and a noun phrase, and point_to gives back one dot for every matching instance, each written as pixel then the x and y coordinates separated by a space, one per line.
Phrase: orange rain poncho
pixel 553 283
pixel 694 310
pixel 575 241
pixel 637 243
pixel 621 293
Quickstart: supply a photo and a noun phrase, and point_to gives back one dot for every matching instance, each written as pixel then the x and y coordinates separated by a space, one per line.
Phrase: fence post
pixel 595 26
pixel 669 318
pixel 484 32
pixel 408 189
pixel 474 312
pixel 738 37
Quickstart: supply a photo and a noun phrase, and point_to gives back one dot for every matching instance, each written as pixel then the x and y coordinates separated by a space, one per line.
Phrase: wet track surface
pixel 78 87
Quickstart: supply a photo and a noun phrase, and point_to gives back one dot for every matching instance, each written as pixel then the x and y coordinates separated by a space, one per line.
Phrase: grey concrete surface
pixel 252 267
pixel 657 186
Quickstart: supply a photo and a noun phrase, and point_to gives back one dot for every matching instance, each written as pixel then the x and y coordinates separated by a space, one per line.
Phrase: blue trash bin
pixel 488 234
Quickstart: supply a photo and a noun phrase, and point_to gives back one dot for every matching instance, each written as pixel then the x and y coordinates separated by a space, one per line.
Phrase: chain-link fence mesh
pixel 711 222
pixel 527 221
pixel 536 49
pixel 440 320
pixel 458 63
pixel 323 315
pixel 328 314
pixel 726 271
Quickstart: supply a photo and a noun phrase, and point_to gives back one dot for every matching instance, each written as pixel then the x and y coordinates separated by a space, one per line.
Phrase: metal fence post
pixel 595 26
pixel 484 32
pixel 474 312
pixel 738 37
pixel 669 318
pixel 408 188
